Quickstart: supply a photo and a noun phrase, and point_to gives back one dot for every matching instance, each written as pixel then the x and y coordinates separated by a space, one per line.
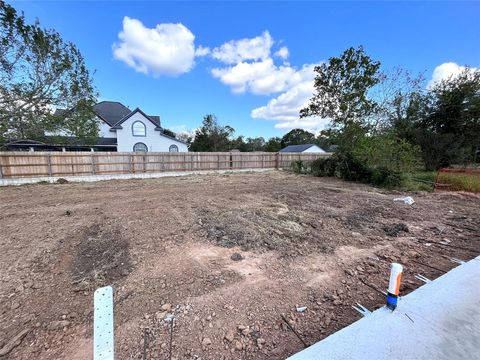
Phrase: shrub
pixel 299 167
pixel 350 168
pixel 386 177
pixel 323 166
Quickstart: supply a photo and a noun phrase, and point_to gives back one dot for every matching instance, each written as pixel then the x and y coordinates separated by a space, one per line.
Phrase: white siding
pixel 104 130
pixel 313 149
pixel 154 140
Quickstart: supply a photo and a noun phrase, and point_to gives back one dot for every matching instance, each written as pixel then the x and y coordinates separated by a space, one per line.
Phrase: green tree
pixel 455 117
pixel 273 144
pixel 212 136
pixel 40 72
pixel 342 87
pixel 297 137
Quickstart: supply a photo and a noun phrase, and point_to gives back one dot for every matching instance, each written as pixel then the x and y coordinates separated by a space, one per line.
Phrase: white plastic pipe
pixel 394 285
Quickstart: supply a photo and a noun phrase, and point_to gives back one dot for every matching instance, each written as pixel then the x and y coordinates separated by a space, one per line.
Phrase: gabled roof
pixel 114 112
pixel 118 124
pixel 297 148
pixel 111 111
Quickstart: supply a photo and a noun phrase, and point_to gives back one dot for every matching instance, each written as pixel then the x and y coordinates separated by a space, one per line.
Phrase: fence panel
pixel 38 164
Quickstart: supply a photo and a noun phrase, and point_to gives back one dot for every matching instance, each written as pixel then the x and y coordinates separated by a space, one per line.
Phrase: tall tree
pixel 212 136
pixel 342 88
pixel 451 131
pixel 297 137
pixel 273 144
pixel 38 73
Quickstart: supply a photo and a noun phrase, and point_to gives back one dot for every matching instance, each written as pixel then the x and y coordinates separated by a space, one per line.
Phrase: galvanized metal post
pixel 103 339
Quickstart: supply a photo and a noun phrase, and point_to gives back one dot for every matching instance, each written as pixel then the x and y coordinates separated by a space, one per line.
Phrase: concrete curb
pixel 92 178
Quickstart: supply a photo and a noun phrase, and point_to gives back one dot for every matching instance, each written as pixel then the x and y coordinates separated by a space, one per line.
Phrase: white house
pixel 134 130
pixel 120 129
pixel 305 148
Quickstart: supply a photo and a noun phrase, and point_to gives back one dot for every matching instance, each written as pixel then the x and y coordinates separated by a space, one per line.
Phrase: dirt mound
pixel 101 257
pixel 395 229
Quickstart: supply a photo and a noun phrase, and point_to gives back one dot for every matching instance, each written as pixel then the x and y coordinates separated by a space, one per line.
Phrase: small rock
pixel 238 345
pixel 125 272
pixel 68 212
pixel 260 342
pixel 160 315
pixel 236 257
pixel 15 305
pixel 206 341
pixel 301 309
pixel 166 307
pixel 62 181
pixel 229 336
pixel 350 272
pixel 58 325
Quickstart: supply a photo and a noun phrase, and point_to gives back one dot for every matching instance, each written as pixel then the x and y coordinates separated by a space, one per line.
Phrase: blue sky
pixel 250 63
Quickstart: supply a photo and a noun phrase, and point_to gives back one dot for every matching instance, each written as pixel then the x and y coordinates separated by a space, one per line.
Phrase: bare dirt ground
pixel 166 246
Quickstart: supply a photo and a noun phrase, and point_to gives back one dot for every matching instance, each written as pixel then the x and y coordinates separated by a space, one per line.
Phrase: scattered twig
pixel 294 331
pixel 145 343
pixel 429 266
pixel 171 339
pixel 14 342
pixel 452 246
pixel 372 287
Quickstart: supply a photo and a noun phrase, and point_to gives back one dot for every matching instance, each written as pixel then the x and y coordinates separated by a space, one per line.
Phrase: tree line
pixel 212 136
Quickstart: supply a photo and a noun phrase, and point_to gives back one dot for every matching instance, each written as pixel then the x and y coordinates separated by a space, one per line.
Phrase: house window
pixel 140 147
pixel 139 129
pixel 173 148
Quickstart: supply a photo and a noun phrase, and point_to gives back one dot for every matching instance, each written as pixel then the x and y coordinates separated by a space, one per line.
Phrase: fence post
pixel 132 165
pixel 1 172
pixel 93 164
pixel 49 162
pixel 276 160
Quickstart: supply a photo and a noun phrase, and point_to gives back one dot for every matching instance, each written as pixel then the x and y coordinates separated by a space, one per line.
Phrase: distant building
pixel 304 148
pixel 120 129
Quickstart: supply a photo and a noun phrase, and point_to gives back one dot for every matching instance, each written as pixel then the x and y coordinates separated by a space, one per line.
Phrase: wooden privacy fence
pixel 37 164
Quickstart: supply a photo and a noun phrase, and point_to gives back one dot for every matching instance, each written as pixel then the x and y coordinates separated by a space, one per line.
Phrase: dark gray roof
pixel 155 118
pixel 297 148
pixel 111 111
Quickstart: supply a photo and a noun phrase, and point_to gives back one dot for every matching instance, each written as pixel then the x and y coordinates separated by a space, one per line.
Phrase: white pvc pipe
pixel 394 285
pixel 395 279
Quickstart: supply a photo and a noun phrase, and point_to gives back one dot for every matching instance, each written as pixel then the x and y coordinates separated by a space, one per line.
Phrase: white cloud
pixel 445 71
pixel 251 68
pixel 260 78
pixel 285 108
pixel 202 51
pixel 167 49
pixel 282 53
pixel 236 51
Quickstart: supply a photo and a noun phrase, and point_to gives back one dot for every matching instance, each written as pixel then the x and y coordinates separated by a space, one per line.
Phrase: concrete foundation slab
pixel 440 320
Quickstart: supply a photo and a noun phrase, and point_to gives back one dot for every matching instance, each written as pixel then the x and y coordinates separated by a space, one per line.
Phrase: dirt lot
pixel 166 246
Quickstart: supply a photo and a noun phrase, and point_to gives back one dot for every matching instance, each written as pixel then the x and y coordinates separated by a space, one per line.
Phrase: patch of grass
pixel 459 181
pixel 419 181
